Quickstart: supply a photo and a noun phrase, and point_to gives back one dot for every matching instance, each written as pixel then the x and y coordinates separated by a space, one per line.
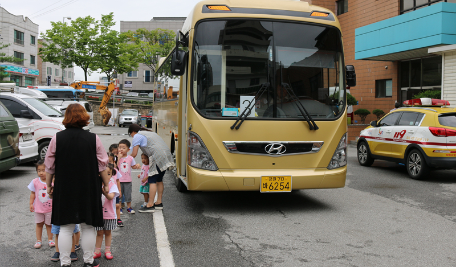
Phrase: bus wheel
pixel 180 185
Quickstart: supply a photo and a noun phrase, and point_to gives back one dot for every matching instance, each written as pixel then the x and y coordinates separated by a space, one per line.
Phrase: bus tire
pixel 172 145
pixel 180 186
pixel 156 128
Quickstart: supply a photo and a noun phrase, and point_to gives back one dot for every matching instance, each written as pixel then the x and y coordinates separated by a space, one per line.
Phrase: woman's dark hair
pixel 39 163
pixel 76 116
pixel 114 156
pixel 136 128
pixel 125 142
pixel 113 170
pixel 112 147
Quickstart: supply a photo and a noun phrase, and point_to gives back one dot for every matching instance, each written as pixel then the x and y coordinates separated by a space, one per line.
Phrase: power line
pixel 61 6
pixel 44 8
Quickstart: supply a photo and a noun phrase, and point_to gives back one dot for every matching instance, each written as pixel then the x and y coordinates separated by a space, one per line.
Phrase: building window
pixel 147 76
pixel 64 73
pixel 420 74
pixel 411 5
pixel 69 75
pixel 32 40
pixel 32 60
pixel 57 72
pixel 383 88
pixel 132 74
pixel 28 81
pixel 49 71
pixel 16 79
pixel 19 55
pixel 18 37
pixel 342 7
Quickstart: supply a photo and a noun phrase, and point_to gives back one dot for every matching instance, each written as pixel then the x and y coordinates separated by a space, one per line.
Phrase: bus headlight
pixel 339 159
pixel 198 155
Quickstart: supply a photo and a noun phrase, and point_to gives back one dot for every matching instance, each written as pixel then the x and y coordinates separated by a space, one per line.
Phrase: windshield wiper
pixel 248 109
pixel 301 108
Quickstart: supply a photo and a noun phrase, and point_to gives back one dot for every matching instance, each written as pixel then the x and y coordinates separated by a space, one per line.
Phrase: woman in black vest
pixel 78 160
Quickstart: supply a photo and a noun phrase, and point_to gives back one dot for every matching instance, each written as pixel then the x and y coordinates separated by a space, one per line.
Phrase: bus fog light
pixel 339 159
pixel 198 155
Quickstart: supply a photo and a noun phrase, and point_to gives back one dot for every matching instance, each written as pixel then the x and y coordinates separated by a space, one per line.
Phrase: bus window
pixel 234 58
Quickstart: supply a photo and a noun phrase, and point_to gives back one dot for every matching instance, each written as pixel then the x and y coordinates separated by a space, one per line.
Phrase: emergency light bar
pixel 426 102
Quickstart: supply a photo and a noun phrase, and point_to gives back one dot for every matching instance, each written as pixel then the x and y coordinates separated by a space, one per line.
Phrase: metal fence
pixel 120 99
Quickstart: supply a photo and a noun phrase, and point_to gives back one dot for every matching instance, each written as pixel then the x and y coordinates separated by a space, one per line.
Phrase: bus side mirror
pixel 350 75
pixel 179 57
pixel 373 123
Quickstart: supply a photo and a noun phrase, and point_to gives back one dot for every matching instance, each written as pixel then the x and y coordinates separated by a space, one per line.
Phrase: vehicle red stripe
pixel 408 141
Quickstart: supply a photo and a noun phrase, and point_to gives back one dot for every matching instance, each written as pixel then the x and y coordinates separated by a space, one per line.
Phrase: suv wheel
pixel 417 167
pixel 42 149
pixel 364 158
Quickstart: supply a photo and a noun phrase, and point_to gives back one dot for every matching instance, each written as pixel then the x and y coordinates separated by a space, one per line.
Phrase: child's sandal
pixel 96 255
pixel 37 244
pixel 51 243
pixel 108 256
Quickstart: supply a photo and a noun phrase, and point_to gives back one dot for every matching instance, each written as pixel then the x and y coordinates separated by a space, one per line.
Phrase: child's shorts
pixel 56 229
pixel 117 200
pixel 108 224
pixel 157 178
pixel 126 191
pixel 144 188
pixel 43 217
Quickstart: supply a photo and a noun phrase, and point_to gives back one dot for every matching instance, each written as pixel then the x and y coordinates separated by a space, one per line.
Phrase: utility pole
pixel 63 51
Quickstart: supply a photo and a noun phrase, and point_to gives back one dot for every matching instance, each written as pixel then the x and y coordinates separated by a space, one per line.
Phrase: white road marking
pixel 164 250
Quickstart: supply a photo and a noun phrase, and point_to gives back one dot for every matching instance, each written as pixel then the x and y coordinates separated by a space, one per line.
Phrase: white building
pixel 22 35
pixel 142 80
pixel 448 53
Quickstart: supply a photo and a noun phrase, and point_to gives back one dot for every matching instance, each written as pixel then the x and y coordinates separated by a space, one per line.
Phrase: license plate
pixel 275 184
pixel 27 137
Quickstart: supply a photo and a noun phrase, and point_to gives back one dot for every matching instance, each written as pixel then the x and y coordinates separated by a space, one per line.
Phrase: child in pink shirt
pixel 125 164
pixel 41 204
pixel 109 218
pixel 144 188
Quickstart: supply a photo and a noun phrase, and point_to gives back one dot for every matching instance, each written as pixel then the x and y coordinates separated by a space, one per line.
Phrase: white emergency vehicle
pixel 421 136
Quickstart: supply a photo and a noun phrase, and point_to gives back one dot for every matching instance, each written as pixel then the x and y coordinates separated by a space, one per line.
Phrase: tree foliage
pixel 362 113
pixel 151 45
pixel 379 113
pixel 351 100
pixel 112 53
pixel 5 58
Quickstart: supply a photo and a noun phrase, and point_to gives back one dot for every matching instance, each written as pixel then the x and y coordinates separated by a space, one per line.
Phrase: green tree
pixel 112 53
pixel 150 45
pixel 66 45
pixel 5 58
pixel 435 94
pixel 379 113
pixel 362 113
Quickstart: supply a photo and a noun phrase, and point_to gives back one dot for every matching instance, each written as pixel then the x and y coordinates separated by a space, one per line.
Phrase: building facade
pixel 55 71
pixel 22 36
pixel 387 41
pixel 142 80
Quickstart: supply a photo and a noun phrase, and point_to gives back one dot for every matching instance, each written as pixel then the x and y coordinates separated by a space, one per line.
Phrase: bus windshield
pixel 232 59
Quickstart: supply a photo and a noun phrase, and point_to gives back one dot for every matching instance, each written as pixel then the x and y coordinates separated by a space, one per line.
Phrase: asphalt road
pixel 381 218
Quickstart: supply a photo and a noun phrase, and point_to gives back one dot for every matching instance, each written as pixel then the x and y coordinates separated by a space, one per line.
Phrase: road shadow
pixel 256 202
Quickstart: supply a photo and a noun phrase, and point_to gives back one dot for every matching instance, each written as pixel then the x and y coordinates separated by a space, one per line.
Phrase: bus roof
pixel 260 9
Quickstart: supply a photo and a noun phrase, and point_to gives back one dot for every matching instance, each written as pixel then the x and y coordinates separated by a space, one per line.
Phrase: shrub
pixel 435 94
pixel 362 113
pixel 351 100
pixel 379 113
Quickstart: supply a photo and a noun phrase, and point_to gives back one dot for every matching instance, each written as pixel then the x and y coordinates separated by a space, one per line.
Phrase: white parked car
pixel 27 144
pixel 29 111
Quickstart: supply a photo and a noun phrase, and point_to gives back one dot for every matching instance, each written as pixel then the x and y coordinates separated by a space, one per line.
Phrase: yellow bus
pixel 262 98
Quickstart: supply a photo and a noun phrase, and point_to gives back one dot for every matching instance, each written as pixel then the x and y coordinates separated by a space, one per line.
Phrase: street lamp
pixel 63 52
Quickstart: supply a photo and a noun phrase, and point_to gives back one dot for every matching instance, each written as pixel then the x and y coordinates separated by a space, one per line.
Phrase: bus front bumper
pixel 249 180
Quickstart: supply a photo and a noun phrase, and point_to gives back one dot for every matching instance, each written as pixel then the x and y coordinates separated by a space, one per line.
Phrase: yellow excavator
pixel 105 113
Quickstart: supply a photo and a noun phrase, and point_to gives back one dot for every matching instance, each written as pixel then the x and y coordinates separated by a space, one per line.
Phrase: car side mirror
pixel 373 123
pixel 350 75
pixel 26 114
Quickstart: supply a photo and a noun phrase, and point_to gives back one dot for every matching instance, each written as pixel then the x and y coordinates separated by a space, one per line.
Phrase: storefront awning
pixel 407 36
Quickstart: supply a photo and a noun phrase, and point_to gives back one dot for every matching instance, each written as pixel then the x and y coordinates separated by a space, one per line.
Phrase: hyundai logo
pixel 275 149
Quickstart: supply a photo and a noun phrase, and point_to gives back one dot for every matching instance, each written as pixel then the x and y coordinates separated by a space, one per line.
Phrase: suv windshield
pixel 43 107
pixel 130 112
pixel 233 58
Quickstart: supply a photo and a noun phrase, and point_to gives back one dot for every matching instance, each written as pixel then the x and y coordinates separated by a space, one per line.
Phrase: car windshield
pixel 232 59
pixel 43 107
pixel 130 112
